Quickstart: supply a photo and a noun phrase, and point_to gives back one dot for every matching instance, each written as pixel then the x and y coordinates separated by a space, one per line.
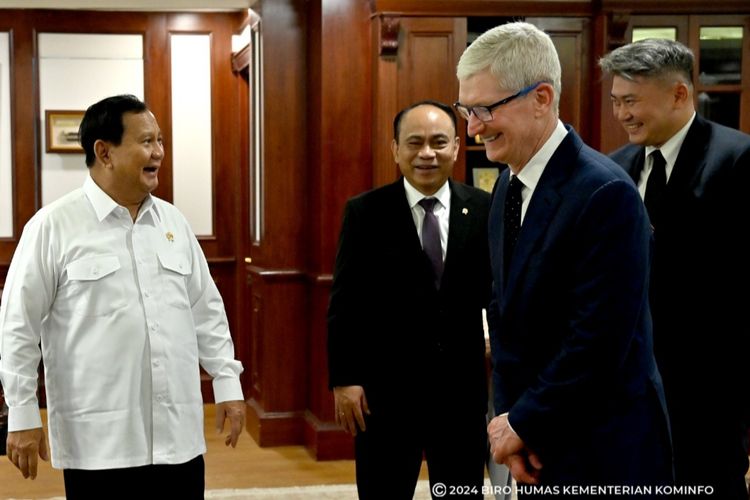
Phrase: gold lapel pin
pixel 170 236
pixel 465 211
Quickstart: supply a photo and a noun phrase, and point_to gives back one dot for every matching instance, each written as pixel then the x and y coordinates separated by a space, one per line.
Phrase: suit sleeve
pixel 345 324
pixel 606 302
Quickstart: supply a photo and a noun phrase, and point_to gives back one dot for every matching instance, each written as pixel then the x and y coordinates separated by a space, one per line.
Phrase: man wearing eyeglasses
pixel 577 391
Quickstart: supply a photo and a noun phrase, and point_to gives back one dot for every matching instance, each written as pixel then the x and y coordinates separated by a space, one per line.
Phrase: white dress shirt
pixel 125 312
pixel 442 210
pixel 533 170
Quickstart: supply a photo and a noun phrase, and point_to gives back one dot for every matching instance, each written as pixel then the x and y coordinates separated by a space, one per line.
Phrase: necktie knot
pixel 428 204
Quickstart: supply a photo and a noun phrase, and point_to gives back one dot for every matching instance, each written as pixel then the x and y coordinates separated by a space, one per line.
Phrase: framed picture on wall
pixel 484 178
pixel 62 131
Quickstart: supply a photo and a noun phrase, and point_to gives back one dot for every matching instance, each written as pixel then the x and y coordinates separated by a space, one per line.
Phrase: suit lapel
pixel 689 163
pixel 543 206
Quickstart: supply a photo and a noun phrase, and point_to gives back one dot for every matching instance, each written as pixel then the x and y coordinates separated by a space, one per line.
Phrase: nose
pixel 158 151
pixel 474 126
pixel 426 151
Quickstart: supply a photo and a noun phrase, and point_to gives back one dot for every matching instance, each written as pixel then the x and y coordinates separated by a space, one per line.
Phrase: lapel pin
pixel 170 236
pixel 465 211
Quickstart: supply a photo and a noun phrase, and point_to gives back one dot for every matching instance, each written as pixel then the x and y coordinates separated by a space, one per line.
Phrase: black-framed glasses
pixel 484 113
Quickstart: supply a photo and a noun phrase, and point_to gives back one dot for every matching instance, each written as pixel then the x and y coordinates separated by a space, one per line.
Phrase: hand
pixel 509 449
pixel 235 412
pixel 23 448
pixel 351 405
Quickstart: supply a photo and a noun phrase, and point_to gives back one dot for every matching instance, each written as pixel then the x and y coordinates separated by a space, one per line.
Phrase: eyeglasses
pixel 484 113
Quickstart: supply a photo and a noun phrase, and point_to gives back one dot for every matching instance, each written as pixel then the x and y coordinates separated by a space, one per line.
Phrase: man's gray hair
pixel 517 54
pixel 650 58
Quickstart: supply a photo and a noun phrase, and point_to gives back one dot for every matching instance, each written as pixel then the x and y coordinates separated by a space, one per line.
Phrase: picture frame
pixel 484 178
pixel 62 130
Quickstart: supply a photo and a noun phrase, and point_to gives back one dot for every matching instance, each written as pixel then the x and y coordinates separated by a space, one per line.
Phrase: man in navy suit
pixel 405 341
pixel 577 392
pixel 696 194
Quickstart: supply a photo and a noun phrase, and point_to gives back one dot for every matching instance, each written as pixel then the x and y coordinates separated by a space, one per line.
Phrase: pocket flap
pixel 174 262
pixel 92 268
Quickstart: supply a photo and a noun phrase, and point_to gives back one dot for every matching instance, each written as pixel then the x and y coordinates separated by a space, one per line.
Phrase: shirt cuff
pixel 21 418
pixel 227 389
pixel 508 419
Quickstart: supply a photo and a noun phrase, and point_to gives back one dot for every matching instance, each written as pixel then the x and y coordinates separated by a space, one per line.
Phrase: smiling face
pixel 134 164
pixel 650 110
pixel 427 148
pixel 514 133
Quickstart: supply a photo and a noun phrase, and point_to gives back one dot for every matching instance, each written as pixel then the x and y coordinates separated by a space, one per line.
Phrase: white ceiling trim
pixel 132 5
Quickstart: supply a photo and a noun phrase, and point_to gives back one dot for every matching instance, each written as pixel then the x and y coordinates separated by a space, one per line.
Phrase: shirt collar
pixel 671 148
pixel 413 196
pixel 533 170
pixel 104 205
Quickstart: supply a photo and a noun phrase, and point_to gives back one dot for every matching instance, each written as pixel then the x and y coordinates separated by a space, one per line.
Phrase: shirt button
pixel 95 271
pixel 156 362
pixel 146 293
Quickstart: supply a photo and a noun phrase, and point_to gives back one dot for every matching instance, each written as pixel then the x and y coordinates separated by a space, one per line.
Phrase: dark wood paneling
pixel 571 37
pixel 275 295
pixel 485 7
pixel 340 129
pixel 424 68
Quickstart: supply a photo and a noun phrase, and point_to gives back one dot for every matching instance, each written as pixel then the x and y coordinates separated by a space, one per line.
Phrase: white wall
pixel 75 71
pixel 192 153
pixel 6 174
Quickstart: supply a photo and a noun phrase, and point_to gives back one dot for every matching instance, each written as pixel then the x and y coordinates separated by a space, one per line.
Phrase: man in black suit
pixel 405 343
pixel 577 393
pixel 694 175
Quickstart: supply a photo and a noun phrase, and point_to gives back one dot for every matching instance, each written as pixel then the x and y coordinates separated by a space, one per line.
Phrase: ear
pixel 681 94
pixel 544 96
pixel 102 150
pixel 394 150
pixel 456 149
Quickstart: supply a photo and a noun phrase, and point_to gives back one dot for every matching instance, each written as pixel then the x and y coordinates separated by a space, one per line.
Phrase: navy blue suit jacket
pixel 701 332
pixel 571 329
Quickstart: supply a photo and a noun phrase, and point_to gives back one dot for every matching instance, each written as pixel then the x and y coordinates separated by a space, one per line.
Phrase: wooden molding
pixel 274 428
pixel 389 29
pixel 326 441
pixel 617 30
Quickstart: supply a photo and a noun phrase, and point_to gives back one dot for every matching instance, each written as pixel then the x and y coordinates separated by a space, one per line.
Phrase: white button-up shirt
pixel 125 312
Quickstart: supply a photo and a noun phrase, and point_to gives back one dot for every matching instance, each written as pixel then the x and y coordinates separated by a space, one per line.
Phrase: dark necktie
pixel 512 219
pixel 656 187
pixel 431 238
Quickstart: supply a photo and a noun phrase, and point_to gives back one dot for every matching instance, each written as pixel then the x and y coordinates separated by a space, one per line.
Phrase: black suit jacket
pixel 571 331
pixel 389 329
pixel 701 272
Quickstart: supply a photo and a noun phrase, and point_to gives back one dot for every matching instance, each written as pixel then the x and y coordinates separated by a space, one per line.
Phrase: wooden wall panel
pixel 340 144
pixel 275 300
pixel 423 67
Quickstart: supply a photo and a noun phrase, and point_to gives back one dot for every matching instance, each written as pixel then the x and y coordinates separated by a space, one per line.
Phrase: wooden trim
pixel 677 6
pixel 461 8
pixel 327 441
pixel 281 428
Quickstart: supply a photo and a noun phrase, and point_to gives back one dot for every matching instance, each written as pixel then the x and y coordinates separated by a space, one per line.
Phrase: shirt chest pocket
pixel 175 272
pixel 93 287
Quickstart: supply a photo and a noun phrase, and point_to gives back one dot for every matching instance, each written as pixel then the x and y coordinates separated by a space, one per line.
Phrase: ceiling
pixel 131 5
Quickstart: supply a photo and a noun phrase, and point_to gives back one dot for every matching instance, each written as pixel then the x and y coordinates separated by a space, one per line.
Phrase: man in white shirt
pixel 113 283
